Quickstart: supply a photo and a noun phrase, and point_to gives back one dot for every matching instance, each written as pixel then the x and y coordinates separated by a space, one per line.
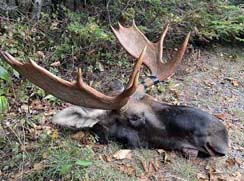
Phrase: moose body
pixel 155 125
pixel 131 115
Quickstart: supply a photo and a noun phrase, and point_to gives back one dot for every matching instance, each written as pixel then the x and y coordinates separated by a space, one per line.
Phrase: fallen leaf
pixel 230 162
pixel 40 54
pixel 144 178
pixel 56 64
pixel 127 169
pixel 45 155
pixel 144 166
pixel 221 116
pixel 161 178
pixel 55 134
pixel 39 166
pixel 209 83
pixel 36 104
pixel 156 164
pixel 24 107
pixel 151 168
pixel 123 154
pixel 27 147
pixel 107 158
pixel 50 112
pixel 202 177
pixel 83 137
pixel 54 26
pixel 78 136
pixel 235 83
pixel 226 177
pixel 237 176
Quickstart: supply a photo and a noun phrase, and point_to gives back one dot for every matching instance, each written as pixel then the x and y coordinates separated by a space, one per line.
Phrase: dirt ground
pixel 213 80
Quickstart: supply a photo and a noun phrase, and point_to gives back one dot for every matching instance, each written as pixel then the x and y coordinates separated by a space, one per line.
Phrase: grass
pixel 184 169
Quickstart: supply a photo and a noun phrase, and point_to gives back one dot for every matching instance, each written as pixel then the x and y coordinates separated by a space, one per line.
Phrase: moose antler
pixel 77 93
pixel 133 40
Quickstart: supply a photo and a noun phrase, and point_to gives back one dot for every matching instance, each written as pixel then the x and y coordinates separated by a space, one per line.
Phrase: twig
pixel 108 13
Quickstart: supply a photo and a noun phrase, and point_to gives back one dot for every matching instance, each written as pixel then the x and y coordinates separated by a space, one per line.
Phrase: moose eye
pixel 137 121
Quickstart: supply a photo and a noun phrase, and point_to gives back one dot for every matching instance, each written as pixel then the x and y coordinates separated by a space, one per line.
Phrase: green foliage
pixel 90 32
pixel 217 21
pixel 52 99
pixel 4 74
pixel 208 20
pixel 68 158
pixel 83 163
pixel 3 104
pixel 4 89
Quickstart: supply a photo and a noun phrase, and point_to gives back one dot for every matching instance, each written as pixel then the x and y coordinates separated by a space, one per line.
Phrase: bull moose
pixel 130 115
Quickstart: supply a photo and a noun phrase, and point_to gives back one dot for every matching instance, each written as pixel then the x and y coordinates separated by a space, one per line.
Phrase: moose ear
pixel 77 117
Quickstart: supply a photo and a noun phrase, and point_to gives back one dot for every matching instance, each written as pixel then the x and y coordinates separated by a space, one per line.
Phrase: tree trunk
pixel 36 10
pixel 35 7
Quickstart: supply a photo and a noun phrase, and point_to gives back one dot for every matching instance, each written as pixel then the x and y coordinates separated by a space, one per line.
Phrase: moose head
pixel 131 115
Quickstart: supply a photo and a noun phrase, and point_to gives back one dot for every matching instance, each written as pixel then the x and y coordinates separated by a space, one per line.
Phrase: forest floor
pixel 213 80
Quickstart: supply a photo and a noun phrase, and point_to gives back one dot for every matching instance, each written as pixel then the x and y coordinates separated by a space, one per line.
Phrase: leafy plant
pixel 3 104
pixel 68 158
pixel 4 80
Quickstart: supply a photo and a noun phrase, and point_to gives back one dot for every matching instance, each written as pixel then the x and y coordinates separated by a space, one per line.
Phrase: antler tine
pixel 78 93
pixel 133 40
pixel 182 49
pixel 161 41
pixel 136 68
pixel 169 68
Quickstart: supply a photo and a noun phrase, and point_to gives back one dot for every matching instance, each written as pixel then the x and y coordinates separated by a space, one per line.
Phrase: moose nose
pixel 216 150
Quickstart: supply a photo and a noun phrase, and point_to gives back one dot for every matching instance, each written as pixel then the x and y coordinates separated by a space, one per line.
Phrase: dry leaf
pixel 50 112
pixel 221 116
pixel 55 135
pixel 40 54
pixel 226 177
pixel 24 107
pixel 45 155
pixel 202 177
pixel 235 83
pixel 230 162
pixel 144 178
pixel 123 154
pixel 161 178
pixel 27 147
pixel 78 136
pixel 237 176
pixel 56 64
pixel 83 137
pixel 209 83
pixel 127 169
pixel 144 165
pixel 36 104
pixel 151 168
pixel 107 158
pixel 39 166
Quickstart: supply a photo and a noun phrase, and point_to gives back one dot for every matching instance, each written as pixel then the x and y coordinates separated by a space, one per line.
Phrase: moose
pixel 130 115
